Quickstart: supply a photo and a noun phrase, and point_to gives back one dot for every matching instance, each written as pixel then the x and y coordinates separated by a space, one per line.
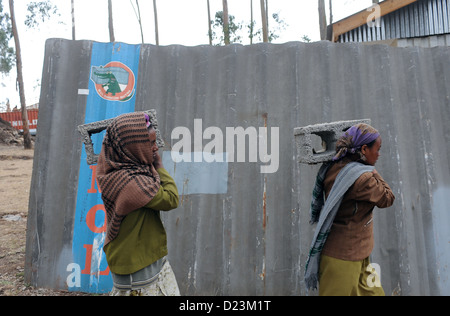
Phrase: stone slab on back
pixel 86 130
pixel 329 133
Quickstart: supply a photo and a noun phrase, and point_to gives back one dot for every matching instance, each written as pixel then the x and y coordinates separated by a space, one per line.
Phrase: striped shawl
pixel 125 173
pixel 325 213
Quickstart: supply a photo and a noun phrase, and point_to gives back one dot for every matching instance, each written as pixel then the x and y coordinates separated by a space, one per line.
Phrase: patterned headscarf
pixel 125 173
pixel 354 138
pixel 147 120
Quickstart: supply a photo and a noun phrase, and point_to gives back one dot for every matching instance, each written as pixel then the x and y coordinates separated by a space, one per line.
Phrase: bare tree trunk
pixel 251 22
pixel 226 27
pixel 155 11
pixel 209 23
pixel 26 130
pixel 73 19
pixel 267 17
pixel 110 22
pixel 331 13
pixel 140 21
pixel 264 21
pixel 322 20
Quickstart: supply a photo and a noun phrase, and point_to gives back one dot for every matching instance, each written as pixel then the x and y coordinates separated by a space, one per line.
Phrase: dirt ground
pixel 16 166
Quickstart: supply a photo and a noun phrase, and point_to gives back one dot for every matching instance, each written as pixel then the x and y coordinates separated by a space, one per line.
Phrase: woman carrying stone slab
pixel 346 191
pixel 135 188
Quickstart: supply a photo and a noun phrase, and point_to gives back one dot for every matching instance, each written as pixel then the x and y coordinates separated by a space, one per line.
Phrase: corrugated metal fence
pixel 249 234
pixel 421 18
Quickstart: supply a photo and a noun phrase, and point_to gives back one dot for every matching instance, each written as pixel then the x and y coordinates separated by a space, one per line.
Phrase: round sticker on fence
pixel 114 81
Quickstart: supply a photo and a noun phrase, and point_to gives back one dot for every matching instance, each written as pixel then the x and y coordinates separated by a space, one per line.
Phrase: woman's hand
pixel 157 161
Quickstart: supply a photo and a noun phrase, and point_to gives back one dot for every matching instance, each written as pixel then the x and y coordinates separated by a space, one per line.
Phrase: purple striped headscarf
pixel 354 138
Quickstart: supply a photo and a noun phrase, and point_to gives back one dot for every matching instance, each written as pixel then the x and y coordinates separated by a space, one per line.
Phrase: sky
pixel 181 22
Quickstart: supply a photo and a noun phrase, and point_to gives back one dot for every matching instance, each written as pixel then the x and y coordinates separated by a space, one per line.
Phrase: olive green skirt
pixel 348 278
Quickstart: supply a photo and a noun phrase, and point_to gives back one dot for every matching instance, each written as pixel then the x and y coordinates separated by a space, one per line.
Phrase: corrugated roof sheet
pixel 421 18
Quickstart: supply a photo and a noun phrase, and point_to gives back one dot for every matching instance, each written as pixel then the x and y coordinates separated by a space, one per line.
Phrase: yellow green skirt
pixel 348 278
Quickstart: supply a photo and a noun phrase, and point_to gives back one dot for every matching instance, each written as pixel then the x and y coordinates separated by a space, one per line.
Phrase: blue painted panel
pixel 109 96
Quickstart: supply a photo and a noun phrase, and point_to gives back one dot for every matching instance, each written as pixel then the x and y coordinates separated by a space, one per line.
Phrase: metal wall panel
pixel 428 41
pixel 254 238
pixel 419 19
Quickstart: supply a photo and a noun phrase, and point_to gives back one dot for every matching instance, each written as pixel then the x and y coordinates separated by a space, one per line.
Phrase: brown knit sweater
pixel 127 178
pixel 351 236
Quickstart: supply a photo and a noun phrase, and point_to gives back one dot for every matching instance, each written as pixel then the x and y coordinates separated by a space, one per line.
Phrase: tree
pixel 155 12
pixel 26 131
pixel 331 12
pixel 37 12
pixel 305 39
pixel 110 22
pixel 7 58
pixel 251 26
pixel 273 33
pixel 210 34
pixel 322 20
pixel 233 28
pixel 264 21
pixel 138 17
pixel 72 13
pixel 225 20
pixel 280 26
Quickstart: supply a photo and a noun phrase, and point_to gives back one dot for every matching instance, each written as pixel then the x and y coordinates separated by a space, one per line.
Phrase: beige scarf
pixel 126 176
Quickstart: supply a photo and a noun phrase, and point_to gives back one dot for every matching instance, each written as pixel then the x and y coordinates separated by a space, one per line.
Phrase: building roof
pixel 406 22
pixel 360 18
